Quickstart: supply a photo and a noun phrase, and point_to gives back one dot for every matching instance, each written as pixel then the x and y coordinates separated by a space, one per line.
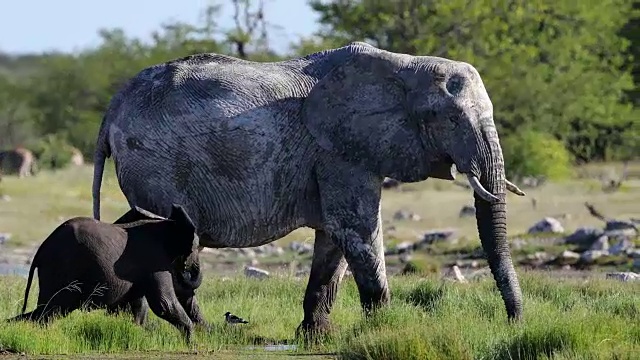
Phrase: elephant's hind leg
pixel 327 269
pixel 351 211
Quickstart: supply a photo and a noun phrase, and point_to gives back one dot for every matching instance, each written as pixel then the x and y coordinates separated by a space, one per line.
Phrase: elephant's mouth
pixel 474 181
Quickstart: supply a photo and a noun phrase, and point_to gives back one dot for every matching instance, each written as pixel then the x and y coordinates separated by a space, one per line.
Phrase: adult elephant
pixel 255 150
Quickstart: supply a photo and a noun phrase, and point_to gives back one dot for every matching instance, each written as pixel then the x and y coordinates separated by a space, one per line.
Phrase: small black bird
pixel 232 319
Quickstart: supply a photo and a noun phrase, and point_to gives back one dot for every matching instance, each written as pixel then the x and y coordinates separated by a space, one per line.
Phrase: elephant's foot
pixel 315 331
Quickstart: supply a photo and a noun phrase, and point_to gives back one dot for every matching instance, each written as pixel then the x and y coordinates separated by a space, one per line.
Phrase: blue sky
pixel 68 25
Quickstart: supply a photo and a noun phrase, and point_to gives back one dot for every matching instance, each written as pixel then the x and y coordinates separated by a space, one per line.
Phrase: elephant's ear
pixel 359 110
pixel 146 213
pixel 180 216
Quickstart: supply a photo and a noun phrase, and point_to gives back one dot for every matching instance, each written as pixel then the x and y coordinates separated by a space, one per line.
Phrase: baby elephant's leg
pixel 139 309
pixel 164 303
pixel 190 305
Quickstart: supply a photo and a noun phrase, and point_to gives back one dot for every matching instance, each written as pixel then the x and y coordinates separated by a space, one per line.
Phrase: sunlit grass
pixel 427 319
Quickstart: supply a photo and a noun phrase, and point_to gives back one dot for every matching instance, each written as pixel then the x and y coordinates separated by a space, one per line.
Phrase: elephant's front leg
pixel 327 268
pixel 351 212
pixel 190 305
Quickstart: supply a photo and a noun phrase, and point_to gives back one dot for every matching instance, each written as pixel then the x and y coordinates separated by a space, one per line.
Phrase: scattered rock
pixel 405 257
pixel 406 215
pixel 624 276
pixel 254 262
pixel 247 252
pixel 623 245
pixel 539 256
pixel 4 237
pixel 634 253
pixel 254 272
pixel 456 274
pixel 601 244
pixel 389 183
pixel 590 256
pixel 467 211
pixel 619 227
pixel 569 255
pixel 433 236
pixel 300 247
pixel 403 247
pixel 546 225
pixel 584 237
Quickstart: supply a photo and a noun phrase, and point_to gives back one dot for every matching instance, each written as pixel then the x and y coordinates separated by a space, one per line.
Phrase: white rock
pixel 623 245
pixel 624 276
pixel 254 272
pixel 601 244
pixel 457 274
pixel 590 256
pixel 547 225
pixel 4 237
pixel 584 236
pixel 406 215
pixel 569 255
pixel 403 246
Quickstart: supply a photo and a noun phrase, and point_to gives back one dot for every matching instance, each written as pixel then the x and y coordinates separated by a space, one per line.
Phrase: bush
pixel 421 266
pixel 532 153
pixel 52 152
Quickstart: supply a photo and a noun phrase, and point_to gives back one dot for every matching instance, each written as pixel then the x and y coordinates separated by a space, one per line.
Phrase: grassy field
pixel 428 319
pixel 585 317
pixel 38 204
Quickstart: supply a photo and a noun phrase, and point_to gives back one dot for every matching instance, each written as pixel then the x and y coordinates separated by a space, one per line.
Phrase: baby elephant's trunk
pixel 191 276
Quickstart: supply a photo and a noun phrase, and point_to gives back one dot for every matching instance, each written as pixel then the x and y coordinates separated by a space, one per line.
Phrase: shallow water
pixel 280 347
pixel 14 269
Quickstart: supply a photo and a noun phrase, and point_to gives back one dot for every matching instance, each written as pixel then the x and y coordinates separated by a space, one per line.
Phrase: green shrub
pixel 52 152
pixel 532 153
pixel 421 266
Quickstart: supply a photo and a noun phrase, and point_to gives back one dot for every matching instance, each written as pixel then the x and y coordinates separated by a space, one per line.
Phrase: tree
pixel 548 65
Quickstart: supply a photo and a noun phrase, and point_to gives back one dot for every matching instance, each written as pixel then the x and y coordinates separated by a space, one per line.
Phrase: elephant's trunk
pixel 492 221
pixel 191 277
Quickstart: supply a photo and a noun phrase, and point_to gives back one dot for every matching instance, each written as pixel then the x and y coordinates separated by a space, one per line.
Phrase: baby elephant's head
pixel 184 247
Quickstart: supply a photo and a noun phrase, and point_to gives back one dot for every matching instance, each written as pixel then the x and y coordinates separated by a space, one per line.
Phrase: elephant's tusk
pixel 514 189
pixel 480 190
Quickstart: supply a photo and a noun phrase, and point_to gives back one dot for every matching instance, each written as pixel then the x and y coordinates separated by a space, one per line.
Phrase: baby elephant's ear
pixel 179 215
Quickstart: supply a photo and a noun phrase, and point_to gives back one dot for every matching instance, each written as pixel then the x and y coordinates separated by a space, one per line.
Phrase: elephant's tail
pixel 101 154
pixel 32 269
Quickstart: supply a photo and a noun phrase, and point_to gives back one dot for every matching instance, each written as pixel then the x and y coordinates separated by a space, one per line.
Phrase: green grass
pixel 427 319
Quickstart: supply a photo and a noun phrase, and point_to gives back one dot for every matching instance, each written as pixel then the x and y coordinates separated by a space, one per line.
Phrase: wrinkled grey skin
pixel 18 161
pixel 256 150
pixel 117 266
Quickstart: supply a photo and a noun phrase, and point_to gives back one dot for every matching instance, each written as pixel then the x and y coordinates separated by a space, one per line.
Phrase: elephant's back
pixel 217 85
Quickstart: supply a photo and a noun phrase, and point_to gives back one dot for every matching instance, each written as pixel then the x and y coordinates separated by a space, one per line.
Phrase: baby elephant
pixel 101 265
